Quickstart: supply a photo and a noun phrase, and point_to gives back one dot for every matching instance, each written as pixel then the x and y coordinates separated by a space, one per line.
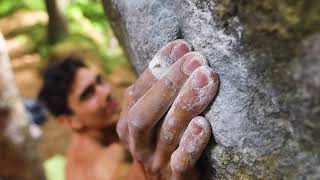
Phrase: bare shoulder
pixel 115 151
pixel 104 162
pixel 80 157
pixel 114 158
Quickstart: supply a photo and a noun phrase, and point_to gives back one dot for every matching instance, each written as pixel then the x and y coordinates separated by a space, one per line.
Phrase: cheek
pixel 93 104
pixel 89 108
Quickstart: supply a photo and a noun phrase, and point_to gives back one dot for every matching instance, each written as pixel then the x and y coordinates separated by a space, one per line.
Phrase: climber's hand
pixel 159 122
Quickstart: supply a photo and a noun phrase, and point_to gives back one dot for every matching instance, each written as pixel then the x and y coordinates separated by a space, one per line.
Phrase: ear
pixel 70 121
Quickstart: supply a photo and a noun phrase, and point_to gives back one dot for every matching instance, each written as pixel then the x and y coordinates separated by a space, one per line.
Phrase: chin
pixel 111 119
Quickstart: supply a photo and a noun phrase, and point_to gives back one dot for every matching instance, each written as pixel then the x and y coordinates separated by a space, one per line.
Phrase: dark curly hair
pixel 57 81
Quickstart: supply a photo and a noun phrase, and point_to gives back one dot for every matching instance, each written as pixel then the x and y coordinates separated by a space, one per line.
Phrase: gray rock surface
pixel 266 117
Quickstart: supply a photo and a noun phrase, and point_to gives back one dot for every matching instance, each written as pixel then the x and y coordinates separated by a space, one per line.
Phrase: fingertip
pixel 197 135
pixel 193 142
pixel 164 58
pixel 167 56
pixel 200 56
pixel 192 61
pixel 202 123
pixel 204 76
pixel 179 47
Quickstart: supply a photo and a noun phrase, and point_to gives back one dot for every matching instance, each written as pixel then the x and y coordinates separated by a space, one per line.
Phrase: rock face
pixel 266 117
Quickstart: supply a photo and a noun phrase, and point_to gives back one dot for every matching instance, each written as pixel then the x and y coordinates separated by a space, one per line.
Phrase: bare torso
pixel 89 160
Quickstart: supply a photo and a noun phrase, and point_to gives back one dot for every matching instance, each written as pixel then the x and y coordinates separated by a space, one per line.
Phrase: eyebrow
pixel 98 77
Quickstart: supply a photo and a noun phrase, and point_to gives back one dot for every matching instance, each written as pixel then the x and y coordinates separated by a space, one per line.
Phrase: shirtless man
pixel 158 124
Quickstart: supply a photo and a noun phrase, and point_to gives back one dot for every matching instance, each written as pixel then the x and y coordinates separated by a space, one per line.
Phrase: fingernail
pixel 197 129
pixel 191 64
pixel 178 50
pixel 200 80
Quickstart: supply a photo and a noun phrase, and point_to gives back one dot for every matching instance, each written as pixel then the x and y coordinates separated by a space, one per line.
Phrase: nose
pixel 109 98
pixel 104 94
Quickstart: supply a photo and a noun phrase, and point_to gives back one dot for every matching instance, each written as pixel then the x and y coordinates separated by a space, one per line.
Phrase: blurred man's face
pixel 92 101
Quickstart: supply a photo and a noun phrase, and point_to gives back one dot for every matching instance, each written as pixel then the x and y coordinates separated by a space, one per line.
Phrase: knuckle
pixel 167 137
pixel 130 91
pixel 133 151
pixel 167 82
pixel 139 154
pixel 139 157
pixel 179 163
pixel 121 131
pixel 136 124
pixel 136 128
pixel 154 170
pixel 177 169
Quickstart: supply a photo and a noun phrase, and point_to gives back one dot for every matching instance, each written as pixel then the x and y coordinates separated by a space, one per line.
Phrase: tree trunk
pixel 266 117
pixel 18 152
pixel 57 26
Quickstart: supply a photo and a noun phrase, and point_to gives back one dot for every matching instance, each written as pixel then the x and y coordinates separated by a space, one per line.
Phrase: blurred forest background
pixel 77 28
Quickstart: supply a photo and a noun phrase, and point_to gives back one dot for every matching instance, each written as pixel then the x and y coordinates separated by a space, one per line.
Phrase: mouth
pixel 112 104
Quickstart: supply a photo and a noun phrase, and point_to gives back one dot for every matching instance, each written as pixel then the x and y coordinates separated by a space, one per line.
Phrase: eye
pixel 87 93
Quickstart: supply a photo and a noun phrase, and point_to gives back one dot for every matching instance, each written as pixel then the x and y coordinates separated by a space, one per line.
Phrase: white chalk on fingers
pixel 205 81
pixel 203 76
pixel 204 91
pixel 159 65
pixel 161 62
pixel 196 136
pixel 192 144
pixel 194 61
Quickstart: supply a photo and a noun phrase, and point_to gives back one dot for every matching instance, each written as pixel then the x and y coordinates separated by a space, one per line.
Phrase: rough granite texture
pixel 266 117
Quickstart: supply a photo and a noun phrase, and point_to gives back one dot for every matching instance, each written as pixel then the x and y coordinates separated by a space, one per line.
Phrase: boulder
pixel 266 117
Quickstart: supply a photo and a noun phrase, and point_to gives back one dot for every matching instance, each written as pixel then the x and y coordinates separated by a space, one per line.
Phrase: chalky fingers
pixel 192 144
pixel 158 66
pixel 193 98
pixel 148 110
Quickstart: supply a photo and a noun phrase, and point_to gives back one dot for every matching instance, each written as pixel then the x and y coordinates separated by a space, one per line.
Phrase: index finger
pixel 160 64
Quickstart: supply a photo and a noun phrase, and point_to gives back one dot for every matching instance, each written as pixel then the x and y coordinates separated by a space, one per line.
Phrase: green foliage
pixel 93 10
pixel 55 167
pixel 7 7
pixel 88 25
pixel 88 29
